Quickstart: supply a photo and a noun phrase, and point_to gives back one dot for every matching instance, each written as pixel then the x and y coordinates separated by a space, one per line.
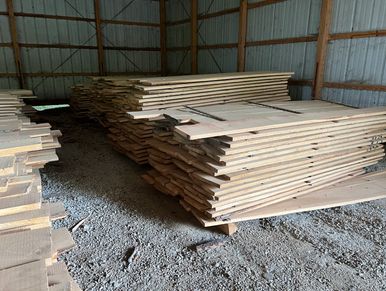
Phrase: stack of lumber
pixel 228 161
pixel 29 247
pixel 23 94
pixel 195 90
pixel 81 99
pixel 109 98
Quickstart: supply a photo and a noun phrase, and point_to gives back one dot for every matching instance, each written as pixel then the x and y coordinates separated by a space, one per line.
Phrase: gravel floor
pixel 335 249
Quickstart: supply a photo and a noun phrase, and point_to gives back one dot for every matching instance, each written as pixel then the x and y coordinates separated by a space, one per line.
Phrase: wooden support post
pixel 15 43
pixel 162 16
pixel 242 35
pixel 324 30
pixel 99 35
pixel 228 229
pixel 194 32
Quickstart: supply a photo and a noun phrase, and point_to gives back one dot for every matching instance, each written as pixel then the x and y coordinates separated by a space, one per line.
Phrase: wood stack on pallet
pixel 29 247
pixel 228 162
pixel 109 98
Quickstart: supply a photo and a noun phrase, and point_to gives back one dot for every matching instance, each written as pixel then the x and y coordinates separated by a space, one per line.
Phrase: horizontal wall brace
pixel 308 38
pixel 339 85
pixel 225 12
pixel 294 82
pixel 355 86
pixel 74 74
pixel 300 39
pixel 84 19
pixel 72 46
pixel 358 34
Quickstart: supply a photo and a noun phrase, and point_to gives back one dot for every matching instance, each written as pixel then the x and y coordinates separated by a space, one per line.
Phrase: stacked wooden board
pixel 228 162
pixel 109 98
pixel 29 247
pixel 81 100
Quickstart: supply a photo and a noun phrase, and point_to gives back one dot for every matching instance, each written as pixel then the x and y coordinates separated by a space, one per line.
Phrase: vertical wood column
pixel 162 15
pixel 194 32
pixel 324 31
pixel 15 43
pixel 99 35
pixel 243 15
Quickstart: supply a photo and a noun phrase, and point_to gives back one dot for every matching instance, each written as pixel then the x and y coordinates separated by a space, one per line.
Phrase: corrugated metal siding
pixel 3 6
pixel 219 30
pixel 226 60
pixel 358 15
pixel 177 9
pixel 117 35
pixel 210 6
pixel 132 61
pixel 355 98
pixel 7 63
pixel 58 87
pixel 291 18
pixel 178 35
pixel 178 62
pixel 300 92
pixel 52 31
pixel 138 10
pixel 4 31
pixel 296 57
pixel 131 36
pixel 8 83
pixel 357 60
pixel 37 60
pixel 82 8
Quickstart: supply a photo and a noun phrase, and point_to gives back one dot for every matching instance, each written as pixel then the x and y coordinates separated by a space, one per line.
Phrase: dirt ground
pixel 335 249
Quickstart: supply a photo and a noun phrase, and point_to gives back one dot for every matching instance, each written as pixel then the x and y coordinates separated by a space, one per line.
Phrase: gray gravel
pixel 335 249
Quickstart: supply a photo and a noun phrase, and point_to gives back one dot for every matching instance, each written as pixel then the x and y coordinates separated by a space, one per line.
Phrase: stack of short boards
pixel 246 160
pixel 29 247
pixel 108 99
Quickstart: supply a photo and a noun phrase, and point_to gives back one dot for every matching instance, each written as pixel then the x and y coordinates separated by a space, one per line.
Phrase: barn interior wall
pixel 57 53
pixel 283 36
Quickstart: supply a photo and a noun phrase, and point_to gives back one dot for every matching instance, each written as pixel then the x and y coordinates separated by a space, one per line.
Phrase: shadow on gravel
pixel 90 169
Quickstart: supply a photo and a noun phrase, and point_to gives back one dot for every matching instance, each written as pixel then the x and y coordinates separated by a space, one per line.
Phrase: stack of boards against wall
pixel 24 94
pixel 29 247
pixel 243 161
pixel 108 99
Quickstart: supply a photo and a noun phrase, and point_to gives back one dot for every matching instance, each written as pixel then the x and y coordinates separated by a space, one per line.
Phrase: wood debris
pixel 79 223
pixel 132 255
pixel 209 245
